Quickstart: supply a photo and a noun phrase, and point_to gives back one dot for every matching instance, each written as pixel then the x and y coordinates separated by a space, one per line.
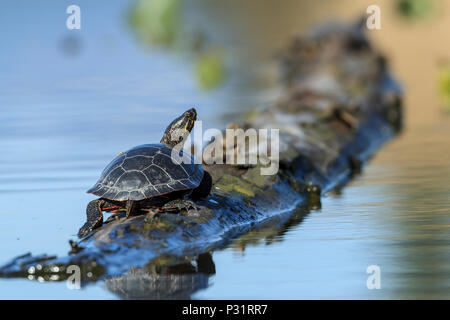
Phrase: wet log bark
pixel 339 104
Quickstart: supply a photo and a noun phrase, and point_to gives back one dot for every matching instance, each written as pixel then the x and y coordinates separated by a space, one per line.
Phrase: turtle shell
pixel 147 171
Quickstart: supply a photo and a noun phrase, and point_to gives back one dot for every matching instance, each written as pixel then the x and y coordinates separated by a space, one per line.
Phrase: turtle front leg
pixel 94 217
pixel 179 204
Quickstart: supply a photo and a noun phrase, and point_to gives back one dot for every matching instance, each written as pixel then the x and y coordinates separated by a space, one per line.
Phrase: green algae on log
pixel 338 106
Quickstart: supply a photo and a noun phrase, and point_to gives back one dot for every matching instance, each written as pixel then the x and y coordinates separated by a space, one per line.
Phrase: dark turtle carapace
pixel 147 178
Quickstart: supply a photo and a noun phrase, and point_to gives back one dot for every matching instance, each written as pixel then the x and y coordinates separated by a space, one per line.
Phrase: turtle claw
pixel 88 227
pixel 179 204
pixel 84 230
pixel 151 214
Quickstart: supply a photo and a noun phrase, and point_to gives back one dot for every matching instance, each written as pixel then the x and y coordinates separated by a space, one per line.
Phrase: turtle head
pixel 180 128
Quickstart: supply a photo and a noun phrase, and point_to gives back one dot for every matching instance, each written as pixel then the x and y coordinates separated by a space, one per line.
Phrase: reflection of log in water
pixel 272 230
pixel 171 277
pixel 161 281
pixel 340 104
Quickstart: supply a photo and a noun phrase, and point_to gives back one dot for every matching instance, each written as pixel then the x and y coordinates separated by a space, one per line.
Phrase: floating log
pixel 339 105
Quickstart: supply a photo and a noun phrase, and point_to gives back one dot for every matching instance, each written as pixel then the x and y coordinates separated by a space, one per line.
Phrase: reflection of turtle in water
pixel 147 177
pixel 164 278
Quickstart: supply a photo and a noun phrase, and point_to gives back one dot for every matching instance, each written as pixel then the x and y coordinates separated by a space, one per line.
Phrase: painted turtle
pixel 148 178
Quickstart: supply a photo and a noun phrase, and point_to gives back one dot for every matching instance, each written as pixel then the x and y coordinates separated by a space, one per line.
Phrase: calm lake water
pixel 71 100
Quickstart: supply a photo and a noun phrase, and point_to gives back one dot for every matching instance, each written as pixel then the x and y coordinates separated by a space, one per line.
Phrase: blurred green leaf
pixel 210 70
pixel 414 8
pixel 156 21
pixel 444 85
